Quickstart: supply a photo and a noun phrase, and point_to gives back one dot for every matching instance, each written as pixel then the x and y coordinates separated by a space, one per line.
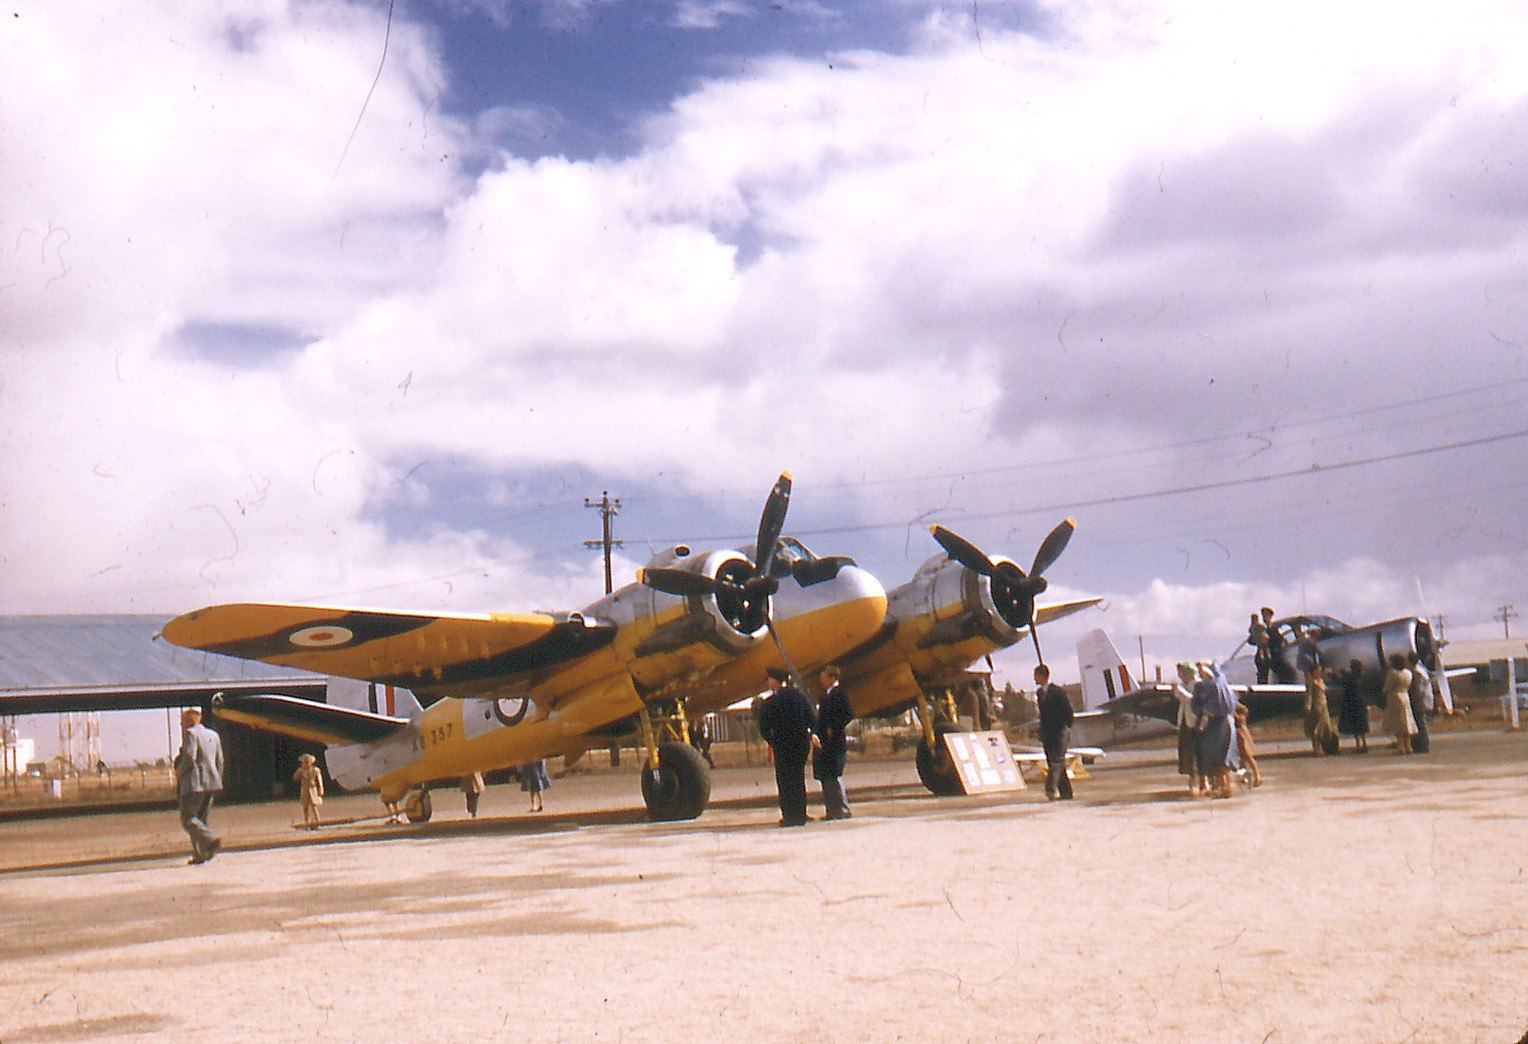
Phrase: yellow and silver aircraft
pixel 959 607
pixel 432 697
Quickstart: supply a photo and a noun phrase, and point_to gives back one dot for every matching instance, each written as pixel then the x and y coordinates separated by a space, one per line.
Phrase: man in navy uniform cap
pixel 786 721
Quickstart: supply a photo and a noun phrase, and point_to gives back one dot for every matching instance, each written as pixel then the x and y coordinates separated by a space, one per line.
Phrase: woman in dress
pixel 1188 764
pixel 1353 711
pixel 533 780
pixel 310 789
pixel 1398 719
pixel 1318 716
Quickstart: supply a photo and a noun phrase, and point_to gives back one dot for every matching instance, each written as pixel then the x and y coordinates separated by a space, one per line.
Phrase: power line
pixel 1125 498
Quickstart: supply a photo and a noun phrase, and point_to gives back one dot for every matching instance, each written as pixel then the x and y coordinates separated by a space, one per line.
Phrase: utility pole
pixel 1505 615
pixel 608 509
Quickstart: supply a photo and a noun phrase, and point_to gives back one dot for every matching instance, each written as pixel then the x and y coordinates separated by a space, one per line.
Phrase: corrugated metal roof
pixel 85 652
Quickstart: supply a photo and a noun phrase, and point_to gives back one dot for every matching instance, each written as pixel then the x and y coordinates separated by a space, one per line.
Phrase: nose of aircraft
pixel 834 615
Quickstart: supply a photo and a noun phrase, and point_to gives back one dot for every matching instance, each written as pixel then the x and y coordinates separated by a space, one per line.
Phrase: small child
pixel 1245 747
pixel 310 783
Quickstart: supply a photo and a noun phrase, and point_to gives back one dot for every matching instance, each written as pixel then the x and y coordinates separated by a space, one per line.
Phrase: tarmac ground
pixel 1356 898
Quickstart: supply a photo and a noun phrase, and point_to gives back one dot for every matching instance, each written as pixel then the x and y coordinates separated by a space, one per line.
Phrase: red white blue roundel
pixel 321 637
pixel 511 711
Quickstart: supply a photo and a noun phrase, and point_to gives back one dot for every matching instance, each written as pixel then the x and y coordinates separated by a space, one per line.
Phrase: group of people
pixel 797 732
pixel 1214 740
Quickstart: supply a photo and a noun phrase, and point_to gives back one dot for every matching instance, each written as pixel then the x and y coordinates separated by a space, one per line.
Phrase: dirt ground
pixel 1351 898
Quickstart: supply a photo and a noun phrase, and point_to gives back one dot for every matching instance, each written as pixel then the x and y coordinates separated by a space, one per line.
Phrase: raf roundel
pixel 320 637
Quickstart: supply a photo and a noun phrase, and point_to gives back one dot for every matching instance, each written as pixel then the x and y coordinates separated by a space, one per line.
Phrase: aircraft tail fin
pixel 392 701
pixel 1104 673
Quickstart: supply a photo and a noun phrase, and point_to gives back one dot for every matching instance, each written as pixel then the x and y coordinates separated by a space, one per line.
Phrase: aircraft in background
pixel 1117 708
pixel 959 607
pixel 420 698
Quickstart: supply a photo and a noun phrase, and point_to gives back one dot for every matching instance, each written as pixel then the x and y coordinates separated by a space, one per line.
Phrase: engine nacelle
pixel 961 603
pixel 729 619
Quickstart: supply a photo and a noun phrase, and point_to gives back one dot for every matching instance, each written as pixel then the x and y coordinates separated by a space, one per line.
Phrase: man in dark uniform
pixel 786 720
pixel 1055 729
pixel 834 713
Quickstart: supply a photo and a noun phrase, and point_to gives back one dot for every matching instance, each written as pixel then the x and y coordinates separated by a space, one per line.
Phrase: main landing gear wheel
pixel 418 807
pixel 936 769
pixel 681 788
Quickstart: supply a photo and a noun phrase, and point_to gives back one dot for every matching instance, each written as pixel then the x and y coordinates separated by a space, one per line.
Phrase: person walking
pixel 1398 720
pixel 198 778
pixel 472 790
pixel 1353 711
pixel 534 781
pixel 786 720
pixel 834 713
pixel 1055 729
pixel 310 789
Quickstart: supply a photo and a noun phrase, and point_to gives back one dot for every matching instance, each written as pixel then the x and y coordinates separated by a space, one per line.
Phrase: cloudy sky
pixel 356 303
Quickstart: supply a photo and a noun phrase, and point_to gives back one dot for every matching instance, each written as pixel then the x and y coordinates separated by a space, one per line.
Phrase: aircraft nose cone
pixel 861 601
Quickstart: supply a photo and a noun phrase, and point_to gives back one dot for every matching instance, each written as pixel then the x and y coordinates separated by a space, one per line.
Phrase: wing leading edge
pixel 442 654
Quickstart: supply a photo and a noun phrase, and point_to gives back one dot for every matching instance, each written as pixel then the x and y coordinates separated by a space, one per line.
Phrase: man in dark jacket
pixel 834 713
pixel 1055 729
pixel 786 720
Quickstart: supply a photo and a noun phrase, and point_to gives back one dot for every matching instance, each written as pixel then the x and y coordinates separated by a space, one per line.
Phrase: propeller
pixel 741 588
pixel 1013 591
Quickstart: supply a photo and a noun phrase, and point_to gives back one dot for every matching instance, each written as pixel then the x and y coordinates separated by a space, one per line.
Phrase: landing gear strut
pixel 676 784
pixel 936 770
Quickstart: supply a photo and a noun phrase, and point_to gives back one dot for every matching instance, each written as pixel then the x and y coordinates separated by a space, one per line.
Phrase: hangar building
pixel 64 664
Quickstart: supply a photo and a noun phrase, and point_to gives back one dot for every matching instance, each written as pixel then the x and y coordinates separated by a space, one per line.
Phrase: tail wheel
pixel 418 807
pixel 936 769
pixel 681 788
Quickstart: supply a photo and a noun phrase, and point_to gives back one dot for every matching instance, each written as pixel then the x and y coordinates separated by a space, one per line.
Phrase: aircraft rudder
pixel 1103 671
pixel 394 701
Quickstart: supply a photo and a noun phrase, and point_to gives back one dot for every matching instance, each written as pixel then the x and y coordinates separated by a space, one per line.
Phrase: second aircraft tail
pixel 1104 673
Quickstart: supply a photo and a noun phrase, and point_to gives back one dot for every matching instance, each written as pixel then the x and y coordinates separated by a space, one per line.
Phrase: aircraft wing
pixel 1048 613
pixel 1272 701
pixel 436 653
pixel 141 697
pixel 306 719
pixel 1157 700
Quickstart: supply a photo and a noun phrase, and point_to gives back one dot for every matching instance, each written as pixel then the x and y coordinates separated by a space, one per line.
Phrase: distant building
pixel 71 664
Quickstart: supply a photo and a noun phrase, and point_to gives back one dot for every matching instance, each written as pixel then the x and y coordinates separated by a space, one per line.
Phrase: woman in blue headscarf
pixel 1215 706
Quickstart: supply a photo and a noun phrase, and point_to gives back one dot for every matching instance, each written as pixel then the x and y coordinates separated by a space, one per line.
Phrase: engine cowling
pixel 727 619
pixel 963 604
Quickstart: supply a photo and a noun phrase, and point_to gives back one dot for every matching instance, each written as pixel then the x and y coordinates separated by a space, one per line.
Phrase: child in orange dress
pixel 1245 747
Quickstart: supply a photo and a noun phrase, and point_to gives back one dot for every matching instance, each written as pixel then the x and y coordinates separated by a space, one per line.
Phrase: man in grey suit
pixel 198 776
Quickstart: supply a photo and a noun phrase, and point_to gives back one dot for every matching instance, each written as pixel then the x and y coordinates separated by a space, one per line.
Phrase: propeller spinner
pixel 1013 591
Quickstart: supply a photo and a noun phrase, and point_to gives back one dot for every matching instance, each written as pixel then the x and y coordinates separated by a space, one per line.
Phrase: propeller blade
pixel 771 522
pixel 963 551
pixel 1051 547
pixel 680 582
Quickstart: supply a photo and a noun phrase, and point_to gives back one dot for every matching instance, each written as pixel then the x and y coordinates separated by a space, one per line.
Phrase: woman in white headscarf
pixel 1398 719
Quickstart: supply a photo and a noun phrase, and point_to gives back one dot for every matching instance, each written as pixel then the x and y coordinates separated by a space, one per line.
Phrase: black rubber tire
pixel 935 768
pixel 1329 744
pixel 681 789
pixel 419 811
